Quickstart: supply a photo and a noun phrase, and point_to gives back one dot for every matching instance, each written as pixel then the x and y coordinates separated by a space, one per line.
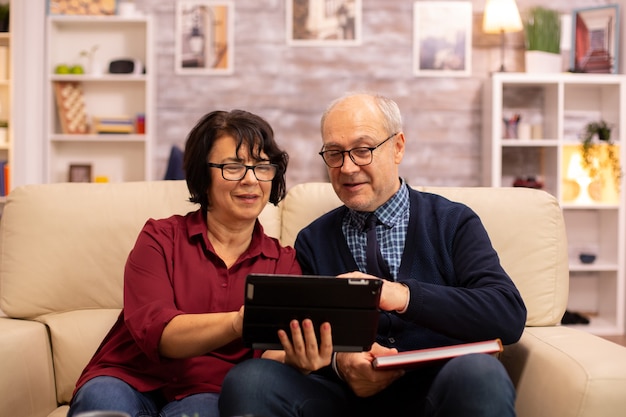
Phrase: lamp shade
pixel 575 170
pixel 501 16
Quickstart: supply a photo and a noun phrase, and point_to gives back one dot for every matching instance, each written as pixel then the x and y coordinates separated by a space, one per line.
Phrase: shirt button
pixel 392 340
pixel 224 285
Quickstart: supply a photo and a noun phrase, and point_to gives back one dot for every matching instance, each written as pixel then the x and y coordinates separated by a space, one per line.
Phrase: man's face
pixel 357 122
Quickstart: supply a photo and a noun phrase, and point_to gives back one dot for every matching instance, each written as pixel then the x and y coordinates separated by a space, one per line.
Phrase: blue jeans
pixel 471 385
pixel 113 394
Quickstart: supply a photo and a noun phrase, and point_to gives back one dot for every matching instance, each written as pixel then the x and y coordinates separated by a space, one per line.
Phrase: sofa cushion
pixel 270 219
pixel 75 336
pixel 560 371
pixel 26 372
pixel 303 204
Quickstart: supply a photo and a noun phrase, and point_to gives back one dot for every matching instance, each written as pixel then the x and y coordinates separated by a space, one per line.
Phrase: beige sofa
pixel 63 247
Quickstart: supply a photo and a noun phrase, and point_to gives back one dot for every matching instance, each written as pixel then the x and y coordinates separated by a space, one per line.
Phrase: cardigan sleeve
pixel 468 295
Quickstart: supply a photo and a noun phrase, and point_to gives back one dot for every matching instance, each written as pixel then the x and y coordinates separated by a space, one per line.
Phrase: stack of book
pixel 113 124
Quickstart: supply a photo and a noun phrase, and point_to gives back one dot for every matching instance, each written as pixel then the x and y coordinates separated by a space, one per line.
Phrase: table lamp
pixel 501 16
pixel 577 173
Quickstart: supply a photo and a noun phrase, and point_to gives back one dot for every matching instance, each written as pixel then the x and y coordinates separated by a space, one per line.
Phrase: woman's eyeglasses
pixel 235 172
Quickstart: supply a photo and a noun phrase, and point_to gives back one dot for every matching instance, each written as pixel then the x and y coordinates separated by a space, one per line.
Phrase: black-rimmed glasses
pixel 235 172
pixel 360 156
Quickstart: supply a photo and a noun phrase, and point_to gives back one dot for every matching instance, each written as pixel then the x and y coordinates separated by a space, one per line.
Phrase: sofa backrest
pixel 63 246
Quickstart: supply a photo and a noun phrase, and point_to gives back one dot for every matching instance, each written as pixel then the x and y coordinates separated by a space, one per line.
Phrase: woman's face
pixel 236 201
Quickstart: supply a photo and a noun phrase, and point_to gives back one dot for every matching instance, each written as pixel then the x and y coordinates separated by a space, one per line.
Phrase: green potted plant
pixel 542 31
pixel 599 152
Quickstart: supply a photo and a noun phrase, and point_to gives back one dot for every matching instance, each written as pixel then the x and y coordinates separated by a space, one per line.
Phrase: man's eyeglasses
pixel 235 172
pixel 360 156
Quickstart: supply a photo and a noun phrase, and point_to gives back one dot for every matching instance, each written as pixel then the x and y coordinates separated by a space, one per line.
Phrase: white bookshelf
pixel 560 105
pixel 117 157
pixel 6 101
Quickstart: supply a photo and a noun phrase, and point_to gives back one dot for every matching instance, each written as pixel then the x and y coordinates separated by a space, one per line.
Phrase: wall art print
pixel 204 37
pixel 442 38
pixel 595 39
pixel 323 22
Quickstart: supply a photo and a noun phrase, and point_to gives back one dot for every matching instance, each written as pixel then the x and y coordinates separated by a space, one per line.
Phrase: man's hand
pixel 356 369
pixel 394 296
pixel 302 351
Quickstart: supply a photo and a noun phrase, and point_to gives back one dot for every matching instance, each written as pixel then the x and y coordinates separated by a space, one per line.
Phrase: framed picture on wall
pixel 204 37
pixel 84 7
pixel 323 22
pixel 595 39
pixel 79 173
pixel 442 38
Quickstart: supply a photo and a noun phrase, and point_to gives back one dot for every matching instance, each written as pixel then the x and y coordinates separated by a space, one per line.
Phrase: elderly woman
pixel 179 332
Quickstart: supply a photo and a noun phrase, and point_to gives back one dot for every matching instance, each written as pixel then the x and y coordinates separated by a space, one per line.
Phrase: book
pixel 113 124
pixel 415 358
pixel 3 190
pixel 71 107
pixel 7 179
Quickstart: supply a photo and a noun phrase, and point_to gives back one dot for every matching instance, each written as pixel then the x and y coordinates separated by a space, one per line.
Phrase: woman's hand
pixel 302 351
pixel 238 322
pixel 356 369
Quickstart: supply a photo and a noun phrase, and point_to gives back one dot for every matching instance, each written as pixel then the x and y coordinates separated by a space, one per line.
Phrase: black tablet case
pixel 349 305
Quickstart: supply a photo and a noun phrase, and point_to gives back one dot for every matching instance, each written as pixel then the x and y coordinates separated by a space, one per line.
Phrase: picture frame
pixel 595 39
pixel 204 37
pixel 79 173
pixel 323 22
pixel 84 7
pixel 442 38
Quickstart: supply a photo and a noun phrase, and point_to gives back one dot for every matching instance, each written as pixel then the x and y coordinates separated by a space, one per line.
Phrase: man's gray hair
pixel 392 118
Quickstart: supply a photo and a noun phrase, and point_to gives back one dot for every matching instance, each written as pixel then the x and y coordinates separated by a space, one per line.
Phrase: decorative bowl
pixel 587 258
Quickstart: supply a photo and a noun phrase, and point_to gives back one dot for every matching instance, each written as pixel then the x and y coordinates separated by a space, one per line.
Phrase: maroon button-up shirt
pixel 173 269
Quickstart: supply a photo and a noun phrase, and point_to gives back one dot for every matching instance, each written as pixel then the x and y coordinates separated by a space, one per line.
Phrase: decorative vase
pixel 543 62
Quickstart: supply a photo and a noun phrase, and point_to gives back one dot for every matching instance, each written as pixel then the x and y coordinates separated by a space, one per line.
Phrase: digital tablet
pixel 349 305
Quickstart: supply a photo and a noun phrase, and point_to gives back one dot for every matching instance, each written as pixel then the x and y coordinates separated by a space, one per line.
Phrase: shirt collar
pixel 260 244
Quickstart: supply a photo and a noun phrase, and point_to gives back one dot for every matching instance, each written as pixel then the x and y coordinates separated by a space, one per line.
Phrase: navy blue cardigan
pixel 459 290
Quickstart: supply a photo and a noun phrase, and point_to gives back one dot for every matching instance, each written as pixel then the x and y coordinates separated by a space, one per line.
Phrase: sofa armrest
pixel 560 371
pixel 26 373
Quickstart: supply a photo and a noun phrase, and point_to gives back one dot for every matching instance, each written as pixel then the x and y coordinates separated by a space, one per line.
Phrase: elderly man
pixel 443 285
